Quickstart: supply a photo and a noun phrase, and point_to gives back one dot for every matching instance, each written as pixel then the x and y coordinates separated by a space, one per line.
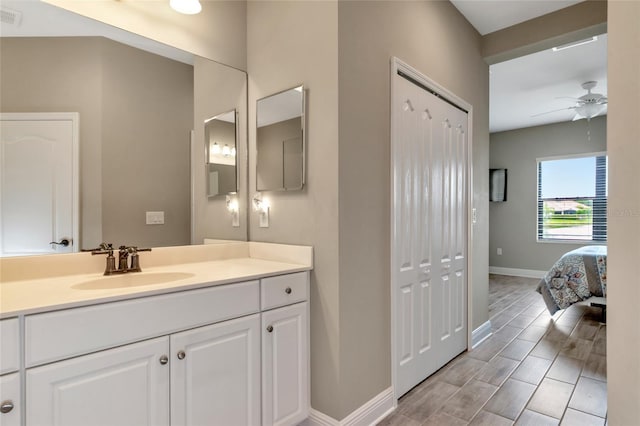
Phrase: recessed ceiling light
pixel 187 7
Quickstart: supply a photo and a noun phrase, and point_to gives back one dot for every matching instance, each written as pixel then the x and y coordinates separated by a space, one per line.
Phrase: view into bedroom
pixel 548 221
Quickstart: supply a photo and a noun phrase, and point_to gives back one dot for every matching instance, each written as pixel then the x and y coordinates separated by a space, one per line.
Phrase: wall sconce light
pixel 187 7
pixel 261 206
pixel 215 148
pixel 234 209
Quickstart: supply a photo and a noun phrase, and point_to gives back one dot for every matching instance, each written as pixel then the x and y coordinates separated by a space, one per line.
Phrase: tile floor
pixel 534 370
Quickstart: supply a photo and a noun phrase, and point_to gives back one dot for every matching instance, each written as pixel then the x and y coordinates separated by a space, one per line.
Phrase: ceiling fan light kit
pixel 587 106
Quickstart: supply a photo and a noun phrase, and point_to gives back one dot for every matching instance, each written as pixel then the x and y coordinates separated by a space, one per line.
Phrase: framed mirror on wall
pixel 280 141
pixel 130 163
pixel 221 152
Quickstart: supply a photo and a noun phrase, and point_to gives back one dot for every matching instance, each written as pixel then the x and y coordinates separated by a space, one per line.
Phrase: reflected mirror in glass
pixel 220 134
pixel 280 141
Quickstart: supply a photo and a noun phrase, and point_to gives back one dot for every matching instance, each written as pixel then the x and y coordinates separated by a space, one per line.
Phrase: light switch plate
pixel 155 218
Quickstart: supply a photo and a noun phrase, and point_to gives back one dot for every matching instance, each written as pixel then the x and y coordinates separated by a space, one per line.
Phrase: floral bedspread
pixel 576 276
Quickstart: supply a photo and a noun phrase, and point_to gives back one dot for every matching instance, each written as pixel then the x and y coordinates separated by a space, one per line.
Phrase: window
pixel 572 198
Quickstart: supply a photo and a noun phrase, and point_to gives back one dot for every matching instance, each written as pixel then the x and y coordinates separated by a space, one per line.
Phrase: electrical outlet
pixel 155 218
pixel 499 251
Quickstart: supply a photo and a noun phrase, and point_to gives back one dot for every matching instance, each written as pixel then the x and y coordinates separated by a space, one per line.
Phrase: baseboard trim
pixel 369 413
pixel 480 334
pixel 526 273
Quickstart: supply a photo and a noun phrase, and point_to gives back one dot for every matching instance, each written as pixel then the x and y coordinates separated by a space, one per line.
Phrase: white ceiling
pixel 488 16
pixel 530 85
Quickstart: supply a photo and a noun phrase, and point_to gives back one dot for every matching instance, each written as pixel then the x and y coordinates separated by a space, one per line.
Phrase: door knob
pixel 6 406
pixel 181 354
pixel 164 359
pixel 63 242
pixel 287 290
pixel 270 329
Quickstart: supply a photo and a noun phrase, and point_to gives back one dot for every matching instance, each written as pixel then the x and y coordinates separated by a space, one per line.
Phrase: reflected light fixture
pixel 215 148
pixel 226 151
pixel 187 7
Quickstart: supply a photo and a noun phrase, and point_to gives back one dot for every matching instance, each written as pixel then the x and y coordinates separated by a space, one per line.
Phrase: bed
pixel 578 275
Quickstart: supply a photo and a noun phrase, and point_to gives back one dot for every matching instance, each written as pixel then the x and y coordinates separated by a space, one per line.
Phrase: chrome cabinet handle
pixel 164 359
pixel 6 406
pixel 181 354
pixel 287 290
pixel 270 329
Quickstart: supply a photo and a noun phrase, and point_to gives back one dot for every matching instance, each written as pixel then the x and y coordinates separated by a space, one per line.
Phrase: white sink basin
pixel 132 279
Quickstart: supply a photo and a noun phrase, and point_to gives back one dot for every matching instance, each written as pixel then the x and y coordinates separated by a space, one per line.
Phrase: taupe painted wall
pixel 344 209
pixel 434 38
pixel 62 75
pixel 512 224
pixel 147 112
pixel 292 43
pixel 219 32
pixel 217 89
pixel 133 158
pixel 623 142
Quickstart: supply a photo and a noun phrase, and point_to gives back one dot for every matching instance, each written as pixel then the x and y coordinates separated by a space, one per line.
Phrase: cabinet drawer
pixel 9 345
pixel 57 335
pixel 284 290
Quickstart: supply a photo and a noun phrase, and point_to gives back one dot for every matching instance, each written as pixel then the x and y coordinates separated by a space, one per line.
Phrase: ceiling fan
pixel 587 106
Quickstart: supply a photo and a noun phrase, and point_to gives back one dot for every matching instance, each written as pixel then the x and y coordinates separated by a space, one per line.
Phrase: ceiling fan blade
pixel 602 101
pixel 577 117
pixel 568 97
pixel 555 110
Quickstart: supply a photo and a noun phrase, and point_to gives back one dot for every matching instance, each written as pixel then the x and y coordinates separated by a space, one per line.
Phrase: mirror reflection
pixel 136 113
pixel 280 141
pixel 220 134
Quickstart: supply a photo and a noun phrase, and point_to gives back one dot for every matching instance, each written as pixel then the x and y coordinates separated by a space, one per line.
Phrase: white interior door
pixel 429 252
pixel 38 183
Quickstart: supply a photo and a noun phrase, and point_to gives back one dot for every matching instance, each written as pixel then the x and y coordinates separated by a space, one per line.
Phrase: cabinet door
pixel 215 374
pixel 10 398
pixel 285 360
pixel 128 385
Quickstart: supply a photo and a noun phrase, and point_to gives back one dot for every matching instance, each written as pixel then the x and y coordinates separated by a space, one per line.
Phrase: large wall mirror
pixel 280 141
pixel 137 139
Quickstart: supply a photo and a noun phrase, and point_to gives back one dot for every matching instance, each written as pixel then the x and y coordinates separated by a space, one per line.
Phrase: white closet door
pixel 429 160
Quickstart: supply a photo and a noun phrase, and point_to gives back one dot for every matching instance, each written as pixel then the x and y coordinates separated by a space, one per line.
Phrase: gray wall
pixel 132 158
pixel 512 224
pixel 271 166
pixel 341 52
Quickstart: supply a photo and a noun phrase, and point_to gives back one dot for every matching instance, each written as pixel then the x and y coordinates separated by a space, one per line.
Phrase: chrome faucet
pixel 123 258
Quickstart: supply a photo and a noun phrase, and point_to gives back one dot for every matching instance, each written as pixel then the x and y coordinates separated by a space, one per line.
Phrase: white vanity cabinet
pixel 10 389
pixel 215 374
pixel 231 354
pixel 128 385
pixel 285 349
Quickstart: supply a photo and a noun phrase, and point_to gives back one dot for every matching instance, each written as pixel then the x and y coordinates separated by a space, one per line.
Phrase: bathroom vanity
pixel 213 334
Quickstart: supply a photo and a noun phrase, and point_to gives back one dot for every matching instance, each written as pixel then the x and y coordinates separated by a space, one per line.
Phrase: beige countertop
pixel 63 290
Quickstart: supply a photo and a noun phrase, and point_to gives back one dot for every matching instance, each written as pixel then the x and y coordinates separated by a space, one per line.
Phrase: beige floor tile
pixel 577 348
pixel 531 418
pixel 578 418
pixel 428 401
pixel 585 330
pixel 547 349
pixel 521 321
pixel 565 369
pixel 533 333
pixel 488 349
pixel 469 399
pixel 485 418
pixel 510 399
pixel 397 419
pixel 507 333
pixel 443 419
pixel 590 396
pixel 497 370
pixel 551 398
pixel 531 370
pixel 462 371
pixel 558 333
pixel 600 343
pixel 595 367
pixel 517 349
